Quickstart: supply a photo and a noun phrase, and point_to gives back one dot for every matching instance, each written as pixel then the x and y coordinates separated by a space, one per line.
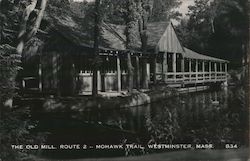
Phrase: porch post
pixel 210 70
pixel 215 70
pixel 203 70
pixel 40 77
pixel 164 66
pixel 118 65
pixel 174 65
pixel 174 62
pixel 137 72
pixel 221 73
pixel 226 70
pixel 183 64
pixel 196 69
pixel 154 68
pixel 190 68
pixel 130 76
pixel 183 68
pixel 144 74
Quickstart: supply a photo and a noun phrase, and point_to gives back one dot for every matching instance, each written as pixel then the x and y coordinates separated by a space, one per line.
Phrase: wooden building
pixel 63 63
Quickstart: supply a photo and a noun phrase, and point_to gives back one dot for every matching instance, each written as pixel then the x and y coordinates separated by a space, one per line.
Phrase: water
pixel 216 116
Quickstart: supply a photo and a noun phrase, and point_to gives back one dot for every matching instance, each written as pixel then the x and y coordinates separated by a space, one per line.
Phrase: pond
pixel 216 117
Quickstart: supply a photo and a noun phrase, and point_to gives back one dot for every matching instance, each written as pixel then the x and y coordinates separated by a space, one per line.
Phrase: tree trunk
pixel 138 84
pixel 130 73
pixel 23 26
pixel 96 48
pixel 25 35
pixel 38 20
pixel 130 30
pixel 144 39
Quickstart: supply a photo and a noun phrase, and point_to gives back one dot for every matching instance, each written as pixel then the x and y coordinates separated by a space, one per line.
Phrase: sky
pixel 184 6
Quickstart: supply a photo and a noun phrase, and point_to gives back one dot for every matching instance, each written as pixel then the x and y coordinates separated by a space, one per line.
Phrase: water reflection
pixel 216 117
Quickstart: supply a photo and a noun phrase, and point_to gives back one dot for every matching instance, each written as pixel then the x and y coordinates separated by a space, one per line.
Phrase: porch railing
pixel 192 77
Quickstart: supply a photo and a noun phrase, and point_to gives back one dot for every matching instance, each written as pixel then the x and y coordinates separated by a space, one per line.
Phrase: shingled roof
pixel 194 55
pixel 79 30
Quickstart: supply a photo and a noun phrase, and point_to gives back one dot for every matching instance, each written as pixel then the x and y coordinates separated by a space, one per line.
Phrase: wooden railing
pixel 34 83
pixel 192 77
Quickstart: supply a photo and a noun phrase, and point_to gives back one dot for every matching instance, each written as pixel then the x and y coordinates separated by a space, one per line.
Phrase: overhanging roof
pixel 194 55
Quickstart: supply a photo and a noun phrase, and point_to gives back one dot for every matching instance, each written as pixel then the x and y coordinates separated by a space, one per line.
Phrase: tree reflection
pixel 216 117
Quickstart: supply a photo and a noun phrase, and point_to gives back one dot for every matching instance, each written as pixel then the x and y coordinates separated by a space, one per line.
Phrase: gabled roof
pixel 155 30
pixel 169 41
pixel 161 35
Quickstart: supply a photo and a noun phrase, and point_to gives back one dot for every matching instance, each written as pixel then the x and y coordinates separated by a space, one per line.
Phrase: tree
pixel 163 10
pixel 145 12
pixel 97 27
pixel 149 10
pixel 130 32
pixel 25 33
pixel 217 28
pixel 14 130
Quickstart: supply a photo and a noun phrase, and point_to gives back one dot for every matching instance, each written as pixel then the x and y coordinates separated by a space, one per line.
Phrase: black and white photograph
pixel 124 80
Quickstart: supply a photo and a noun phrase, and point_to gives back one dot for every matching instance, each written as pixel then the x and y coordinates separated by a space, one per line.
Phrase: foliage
pixel 60 4
pixel 217 28
pixel 163 10
pixel 14 125
pixel 164 127
pixel 9 24
pixel 13 130
pixel 9 65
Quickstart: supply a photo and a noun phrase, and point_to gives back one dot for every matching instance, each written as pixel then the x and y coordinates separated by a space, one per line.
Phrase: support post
pixel 221 72
pixel 73 74
pixel 118 65
pixel 130 73
pixel 40 77
pixel 137 72
pixel 164 66
pixel 154 68
pixel 183 67
pixel 144 74
pixel 226 70
pixel 215 70
pixel 23 84
pixel 174 65
pixel 210 70
pixel 203 70
pixel 190 68
pixel 196 69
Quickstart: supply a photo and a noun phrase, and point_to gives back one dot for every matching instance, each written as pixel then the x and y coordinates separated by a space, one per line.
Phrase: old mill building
pixel 63 62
